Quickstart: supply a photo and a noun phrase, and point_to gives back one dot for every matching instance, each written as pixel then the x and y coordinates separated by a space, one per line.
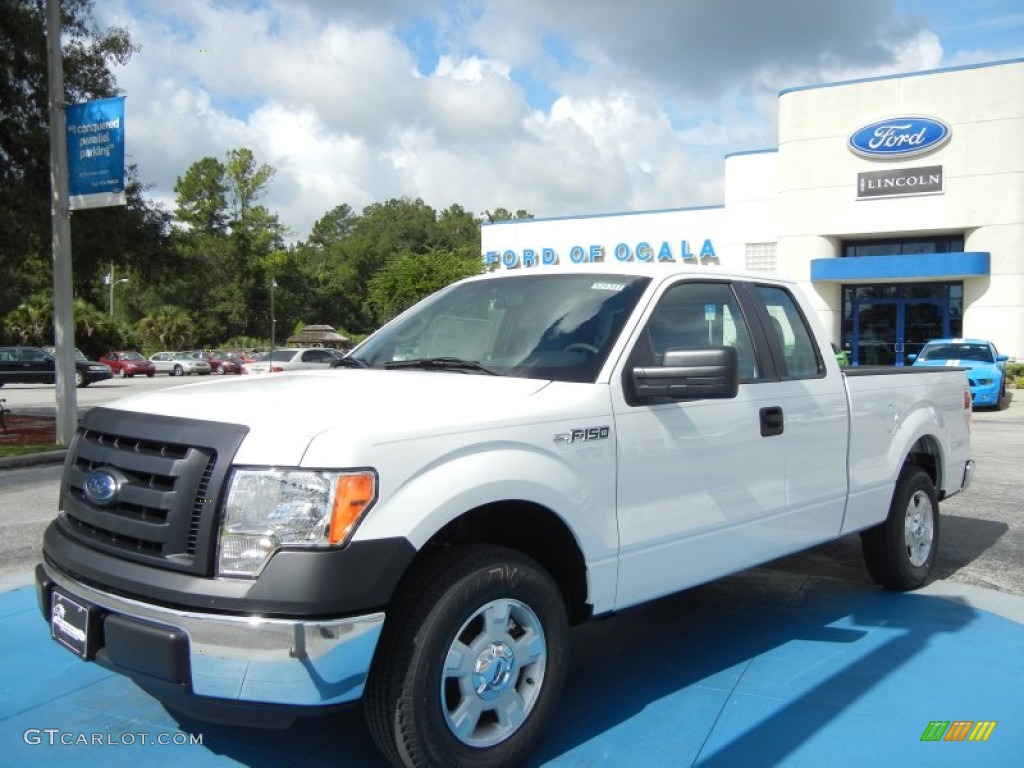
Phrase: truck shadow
pixel 658 683
pixel 743 671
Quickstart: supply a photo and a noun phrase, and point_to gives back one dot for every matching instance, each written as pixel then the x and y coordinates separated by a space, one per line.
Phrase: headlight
pixel 984 382
pixel 268 509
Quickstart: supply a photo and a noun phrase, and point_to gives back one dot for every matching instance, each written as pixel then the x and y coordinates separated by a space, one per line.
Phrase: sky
pixel 557 107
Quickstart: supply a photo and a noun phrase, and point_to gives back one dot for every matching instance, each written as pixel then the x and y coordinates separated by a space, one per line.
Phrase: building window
pixel 760 257
pixel 904 246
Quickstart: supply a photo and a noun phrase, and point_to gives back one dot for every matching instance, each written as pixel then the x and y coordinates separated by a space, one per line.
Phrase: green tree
pixel 31 322
pixel 222 247
pixel 503 214
pixel 409 277
pixel 169 327
pixel 201 197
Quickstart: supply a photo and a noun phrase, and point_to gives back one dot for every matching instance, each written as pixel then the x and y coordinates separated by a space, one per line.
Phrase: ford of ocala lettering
pixel 520 452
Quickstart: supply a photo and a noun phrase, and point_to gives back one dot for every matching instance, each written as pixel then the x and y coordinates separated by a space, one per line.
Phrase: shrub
pixel 1015 375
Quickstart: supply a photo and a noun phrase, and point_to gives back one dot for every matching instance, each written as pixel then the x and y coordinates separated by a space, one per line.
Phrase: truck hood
pixel 285 412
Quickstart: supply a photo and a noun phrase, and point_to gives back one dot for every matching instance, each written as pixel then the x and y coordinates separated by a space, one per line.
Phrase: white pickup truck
pixel 520 452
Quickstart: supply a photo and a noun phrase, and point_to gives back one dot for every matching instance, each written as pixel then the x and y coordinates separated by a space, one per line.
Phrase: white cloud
pixel 553 106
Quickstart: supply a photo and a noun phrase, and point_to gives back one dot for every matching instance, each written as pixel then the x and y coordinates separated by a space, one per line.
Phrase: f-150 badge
pixel 583 434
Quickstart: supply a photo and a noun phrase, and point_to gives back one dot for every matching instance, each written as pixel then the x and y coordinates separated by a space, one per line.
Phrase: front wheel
pixel 178 371
pixel 471 663
pixel 900 551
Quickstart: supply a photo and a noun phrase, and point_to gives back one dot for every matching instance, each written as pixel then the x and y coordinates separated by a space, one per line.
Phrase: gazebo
pixel 320 336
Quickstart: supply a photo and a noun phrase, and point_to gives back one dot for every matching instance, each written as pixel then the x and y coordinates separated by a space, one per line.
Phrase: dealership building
pixel 898 203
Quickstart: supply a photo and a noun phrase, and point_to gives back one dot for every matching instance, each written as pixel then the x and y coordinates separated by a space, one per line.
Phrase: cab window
pixel 698 315
pixel 789 335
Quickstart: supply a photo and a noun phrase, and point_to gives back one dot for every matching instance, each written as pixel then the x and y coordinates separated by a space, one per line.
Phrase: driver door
pixel 697 479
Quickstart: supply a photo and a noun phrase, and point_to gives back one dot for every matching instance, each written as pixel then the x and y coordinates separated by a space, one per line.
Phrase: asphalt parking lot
pixel 803 662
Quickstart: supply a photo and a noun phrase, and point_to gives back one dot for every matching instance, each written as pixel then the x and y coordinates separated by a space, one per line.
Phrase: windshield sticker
pixel 607 286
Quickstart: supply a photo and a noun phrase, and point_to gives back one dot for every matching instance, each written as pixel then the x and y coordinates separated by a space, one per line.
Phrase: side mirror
pixel 690 374
pixel 912 356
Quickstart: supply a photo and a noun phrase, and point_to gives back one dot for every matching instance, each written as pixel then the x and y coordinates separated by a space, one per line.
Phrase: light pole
pixel 108 279
pixel 273 319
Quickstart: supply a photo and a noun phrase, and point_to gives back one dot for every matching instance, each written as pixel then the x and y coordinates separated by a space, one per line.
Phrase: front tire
pixel 471 663
pixel 900 552
pixel 178 371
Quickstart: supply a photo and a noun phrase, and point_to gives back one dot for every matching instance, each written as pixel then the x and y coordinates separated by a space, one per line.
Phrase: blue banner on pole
pixel 96 153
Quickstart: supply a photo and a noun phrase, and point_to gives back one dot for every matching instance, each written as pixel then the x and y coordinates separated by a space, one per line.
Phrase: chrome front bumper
pixel 253 659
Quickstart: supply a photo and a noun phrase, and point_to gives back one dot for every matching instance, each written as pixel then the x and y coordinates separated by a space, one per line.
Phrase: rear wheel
pixel 124 373
pixel 900 551
pixel 80 379
pixel 178 371
pixel 472 662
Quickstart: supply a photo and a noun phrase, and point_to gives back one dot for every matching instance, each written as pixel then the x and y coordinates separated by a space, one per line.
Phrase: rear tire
pixel 900 552
pixel 178 371
pixel 80 380
pixel 471 663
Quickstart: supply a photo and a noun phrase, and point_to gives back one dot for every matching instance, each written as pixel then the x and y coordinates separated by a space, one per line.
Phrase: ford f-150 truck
pixel 517 453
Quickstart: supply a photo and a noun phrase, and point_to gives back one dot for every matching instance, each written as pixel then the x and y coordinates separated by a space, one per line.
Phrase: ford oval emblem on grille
pixel 101 487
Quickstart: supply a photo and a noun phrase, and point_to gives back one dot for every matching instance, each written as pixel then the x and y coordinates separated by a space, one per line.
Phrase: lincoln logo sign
pixel 899 137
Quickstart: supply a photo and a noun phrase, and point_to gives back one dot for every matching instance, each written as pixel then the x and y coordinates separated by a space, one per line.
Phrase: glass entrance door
pixel 874 340
pixel 887 330
pixel 922 322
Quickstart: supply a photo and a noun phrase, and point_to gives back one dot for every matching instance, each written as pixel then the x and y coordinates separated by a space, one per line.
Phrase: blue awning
pixel 919 266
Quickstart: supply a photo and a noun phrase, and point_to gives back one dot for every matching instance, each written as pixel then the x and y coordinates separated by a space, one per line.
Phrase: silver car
pixel 179 364
pixel 292 360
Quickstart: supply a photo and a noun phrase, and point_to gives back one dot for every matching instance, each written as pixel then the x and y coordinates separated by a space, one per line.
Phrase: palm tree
pixel 169 327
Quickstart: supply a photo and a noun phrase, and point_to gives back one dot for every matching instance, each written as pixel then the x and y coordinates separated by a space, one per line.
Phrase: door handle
pixel 772 421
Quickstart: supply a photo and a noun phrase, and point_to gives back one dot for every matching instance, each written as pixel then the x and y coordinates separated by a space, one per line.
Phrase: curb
pixel 33 459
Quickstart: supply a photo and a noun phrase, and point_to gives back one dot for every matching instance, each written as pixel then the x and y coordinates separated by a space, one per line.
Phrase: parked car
pixel 128 364
pixel 292 360
pixel 179 364
pixel 226 364
pixel 986 368
pixel 37 365
pixel 215 361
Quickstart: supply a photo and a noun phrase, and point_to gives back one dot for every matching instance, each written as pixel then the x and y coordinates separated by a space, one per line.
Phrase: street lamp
pixel 273 319
pixel 108 279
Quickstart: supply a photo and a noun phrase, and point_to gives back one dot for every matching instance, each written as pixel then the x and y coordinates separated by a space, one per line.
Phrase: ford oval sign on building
pixel 899 137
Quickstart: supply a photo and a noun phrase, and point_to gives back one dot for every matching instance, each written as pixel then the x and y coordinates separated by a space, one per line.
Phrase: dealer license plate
pixel 70 623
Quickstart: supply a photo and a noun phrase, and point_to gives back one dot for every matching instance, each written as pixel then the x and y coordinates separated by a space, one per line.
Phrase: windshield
pixel 980 353
pixel 132 356
pixel 558 327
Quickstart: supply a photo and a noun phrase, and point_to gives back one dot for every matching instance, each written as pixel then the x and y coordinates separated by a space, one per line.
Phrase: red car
pixel 218 363
pixel 128 364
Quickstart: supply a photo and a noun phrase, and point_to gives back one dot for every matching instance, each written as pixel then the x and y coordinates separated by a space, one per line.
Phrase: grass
pixel 21 450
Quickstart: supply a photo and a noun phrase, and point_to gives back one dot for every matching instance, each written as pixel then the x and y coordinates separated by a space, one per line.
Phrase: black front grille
pixel 171 474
